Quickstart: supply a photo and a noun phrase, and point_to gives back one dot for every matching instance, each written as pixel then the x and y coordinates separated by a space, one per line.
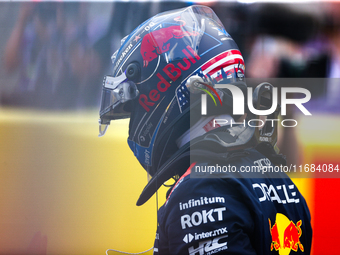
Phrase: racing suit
pixel 234 214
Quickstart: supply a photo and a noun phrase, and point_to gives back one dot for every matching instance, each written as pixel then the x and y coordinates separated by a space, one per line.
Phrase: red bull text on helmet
pixel 173 72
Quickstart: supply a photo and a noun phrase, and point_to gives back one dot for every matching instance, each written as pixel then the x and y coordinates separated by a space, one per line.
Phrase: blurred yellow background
pixel 58 178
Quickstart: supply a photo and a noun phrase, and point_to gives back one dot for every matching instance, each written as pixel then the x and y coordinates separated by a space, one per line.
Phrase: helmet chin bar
pixel 222 139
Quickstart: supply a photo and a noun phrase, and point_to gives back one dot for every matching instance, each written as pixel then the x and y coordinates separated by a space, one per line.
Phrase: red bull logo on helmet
pixel 159 41
pixel 285 235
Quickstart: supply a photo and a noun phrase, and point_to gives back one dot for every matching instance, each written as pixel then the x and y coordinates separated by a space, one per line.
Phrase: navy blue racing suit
pixel 234 215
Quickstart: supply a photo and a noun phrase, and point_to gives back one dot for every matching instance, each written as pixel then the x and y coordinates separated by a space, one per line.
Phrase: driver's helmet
pixel 149 81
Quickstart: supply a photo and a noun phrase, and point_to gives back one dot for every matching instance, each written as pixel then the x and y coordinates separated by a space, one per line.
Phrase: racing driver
pixel 176 76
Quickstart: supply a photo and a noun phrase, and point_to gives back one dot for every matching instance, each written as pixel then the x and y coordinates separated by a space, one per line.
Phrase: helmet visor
pixel 117 91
